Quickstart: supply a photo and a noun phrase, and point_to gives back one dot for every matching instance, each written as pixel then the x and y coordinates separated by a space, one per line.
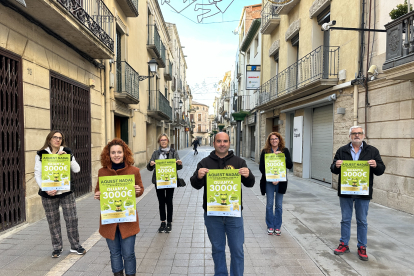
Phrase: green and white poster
pixel 55 172
pixel 166 173
pixel 224 193
pixel 117 199
pixel 275 165
pixel 355 178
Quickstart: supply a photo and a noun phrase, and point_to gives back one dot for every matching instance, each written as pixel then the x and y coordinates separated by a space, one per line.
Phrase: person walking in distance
pixel 359 150
pixel 165 196
pixel 116 159
pixel 51 200
pixel 218 227
pixel 195 143
pixel 274 144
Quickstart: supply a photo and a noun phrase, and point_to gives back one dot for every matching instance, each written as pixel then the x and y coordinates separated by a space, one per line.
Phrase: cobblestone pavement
pixel 301 250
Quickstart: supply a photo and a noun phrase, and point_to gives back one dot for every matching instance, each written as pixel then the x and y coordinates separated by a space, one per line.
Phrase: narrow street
pixel 310 232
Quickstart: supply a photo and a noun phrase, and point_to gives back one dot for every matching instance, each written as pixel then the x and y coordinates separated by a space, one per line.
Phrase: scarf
pixel 118 166
pixel 164 152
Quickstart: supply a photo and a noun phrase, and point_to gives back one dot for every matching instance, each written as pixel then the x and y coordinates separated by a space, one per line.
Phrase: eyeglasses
pixel 274 139
pixel 57 137
pixel 356 133
pixel 163 140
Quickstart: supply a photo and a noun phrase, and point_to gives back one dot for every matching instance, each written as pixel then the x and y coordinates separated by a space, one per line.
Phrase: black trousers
pixel 165 197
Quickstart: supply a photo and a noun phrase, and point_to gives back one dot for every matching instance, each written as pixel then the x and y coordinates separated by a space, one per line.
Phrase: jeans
pixel 165 197
pixel 122 253
pixel 361 212
pixel 217 228
pixel 273 220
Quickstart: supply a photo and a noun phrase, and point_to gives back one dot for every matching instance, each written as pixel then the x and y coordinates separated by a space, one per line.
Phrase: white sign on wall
pixel 252 77
pixel 297 139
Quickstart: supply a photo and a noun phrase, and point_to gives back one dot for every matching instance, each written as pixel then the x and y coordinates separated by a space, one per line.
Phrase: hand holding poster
pixel 166 173
pixel 275 165
pixel 55 172
pixel 224 193
pixel 117 199
pixel 355 178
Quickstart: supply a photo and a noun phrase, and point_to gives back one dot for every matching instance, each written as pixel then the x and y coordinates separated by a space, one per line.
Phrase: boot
pixel 130 274
pixel 119 273
pixel 162 227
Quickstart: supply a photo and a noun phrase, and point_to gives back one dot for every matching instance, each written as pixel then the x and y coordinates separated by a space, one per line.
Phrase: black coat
pixel 368 153
pixel 213 162
pixel 282 184
pixel 172 154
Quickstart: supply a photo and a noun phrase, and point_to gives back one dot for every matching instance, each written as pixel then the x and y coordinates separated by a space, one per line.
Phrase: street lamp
pixel 153 66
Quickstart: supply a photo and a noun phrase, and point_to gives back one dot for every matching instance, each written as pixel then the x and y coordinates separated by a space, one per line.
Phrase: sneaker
pixel 56 253
pixel 168 228
pixel 342 248
pixel 278 232
pixel 362 253
pixel 79 251
pixel 162 227
pixel 270 231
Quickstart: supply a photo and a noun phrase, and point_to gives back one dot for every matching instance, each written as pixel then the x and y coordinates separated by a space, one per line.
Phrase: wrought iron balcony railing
pixel 161 60
pixel 127 83
pixel 321 63
pixel 95 16
pixel 400 41
pixel 270 19
pixel 154 41
pixel 168 71
pixel 159 106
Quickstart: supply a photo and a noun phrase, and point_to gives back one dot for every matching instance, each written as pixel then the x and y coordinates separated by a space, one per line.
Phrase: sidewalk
pixel 310 232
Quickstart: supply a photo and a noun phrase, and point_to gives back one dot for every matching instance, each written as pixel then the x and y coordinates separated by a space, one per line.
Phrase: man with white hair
pixel 356 150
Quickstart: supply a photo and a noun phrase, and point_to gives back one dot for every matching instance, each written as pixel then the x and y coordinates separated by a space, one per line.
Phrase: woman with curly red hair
pixel 274 144
pixel 116 159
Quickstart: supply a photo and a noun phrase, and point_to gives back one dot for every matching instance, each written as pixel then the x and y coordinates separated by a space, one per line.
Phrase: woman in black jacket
pixel 274 144
pixel 165 196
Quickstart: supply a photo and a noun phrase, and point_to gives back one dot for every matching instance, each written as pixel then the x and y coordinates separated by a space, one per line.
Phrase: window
pixel 199 127
pixel 199 117
pixel 256 45
pixel 192 117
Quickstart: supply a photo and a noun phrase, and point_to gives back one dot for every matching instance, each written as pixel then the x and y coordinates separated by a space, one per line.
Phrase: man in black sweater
pixel 357 150
pixel 220 226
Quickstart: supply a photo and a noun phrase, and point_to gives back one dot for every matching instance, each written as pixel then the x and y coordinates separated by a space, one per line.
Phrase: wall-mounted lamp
pixel 153 66
pixel 373 72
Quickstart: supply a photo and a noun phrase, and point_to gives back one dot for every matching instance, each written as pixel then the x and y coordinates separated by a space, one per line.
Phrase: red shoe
pixel 342 248
pixel 362 253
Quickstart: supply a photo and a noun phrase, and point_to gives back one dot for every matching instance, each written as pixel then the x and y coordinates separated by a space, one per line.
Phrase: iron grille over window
pixel 70 113
pixel 12 183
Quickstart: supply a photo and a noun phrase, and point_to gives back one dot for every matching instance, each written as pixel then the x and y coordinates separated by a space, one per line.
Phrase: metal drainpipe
pixel 107 103
pixel 366 74
pixel 238 138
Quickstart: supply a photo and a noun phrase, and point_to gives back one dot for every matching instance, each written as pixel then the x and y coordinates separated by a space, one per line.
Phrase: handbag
pixel 181 183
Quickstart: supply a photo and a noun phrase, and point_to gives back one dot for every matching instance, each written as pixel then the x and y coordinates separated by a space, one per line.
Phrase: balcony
pixel 314 72
pixel 399 52
pixel 270 19
pixel 180 85
pixel 162 63
pixel 84 25
pixel 168 71
pixel 129 7
pixel 154 42
pixel 287 8
pixel 159 106
pixel 127 84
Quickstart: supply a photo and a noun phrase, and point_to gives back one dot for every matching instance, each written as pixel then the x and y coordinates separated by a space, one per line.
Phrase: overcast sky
pixel 207 34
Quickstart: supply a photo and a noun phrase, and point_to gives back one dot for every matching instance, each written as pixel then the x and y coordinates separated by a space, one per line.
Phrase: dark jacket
pixel 212 162
pixel 127 229
pixel 172 154
pixel 43 193
pixel 368 153
pixel 196 143
pixel 282 184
